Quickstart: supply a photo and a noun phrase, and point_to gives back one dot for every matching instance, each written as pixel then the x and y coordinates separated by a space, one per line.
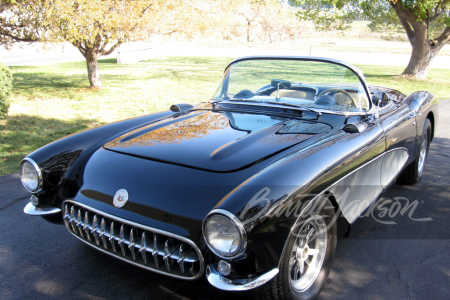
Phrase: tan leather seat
pixel 290 94
pixel 342 99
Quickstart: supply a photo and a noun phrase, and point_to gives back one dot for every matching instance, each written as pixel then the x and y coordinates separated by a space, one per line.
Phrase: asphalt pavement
pixel 406 260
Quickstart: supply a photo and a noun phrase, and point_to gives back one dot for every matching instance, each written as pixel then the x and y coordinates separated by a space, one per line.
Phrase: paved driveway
pixel 409 260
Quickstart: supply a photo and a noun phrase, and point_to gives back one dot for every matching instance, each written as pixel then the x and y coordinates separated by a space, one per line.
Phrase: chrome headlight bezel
pixel 38 175
pixel 243 234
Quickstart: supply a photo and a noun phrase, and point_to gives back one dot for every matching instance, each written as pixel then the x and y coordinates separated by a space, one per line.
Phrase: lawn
pixel 51 102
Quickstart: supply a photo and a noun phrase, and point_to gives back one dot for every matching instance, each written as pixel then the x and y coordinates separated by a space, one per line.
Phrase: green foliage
pixel 338 14
pixel 5 90
pixel 381 15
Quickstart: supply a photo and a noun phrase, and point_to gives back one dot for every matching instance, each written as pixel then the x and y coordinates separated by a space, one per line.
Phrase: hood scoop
pixel 215 141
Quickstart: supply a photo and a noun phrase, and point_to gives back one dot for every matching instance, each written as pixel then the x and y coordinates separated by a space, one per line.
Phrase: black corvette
pixel 245 189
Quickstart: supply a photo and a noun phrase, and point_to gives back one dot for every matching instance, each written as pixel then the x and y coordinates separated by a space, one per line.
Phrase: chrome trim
pixel 352 68
pixel 38 170
pixel 225 284
pixel 32 210
pixel 236 222
pixel 125 240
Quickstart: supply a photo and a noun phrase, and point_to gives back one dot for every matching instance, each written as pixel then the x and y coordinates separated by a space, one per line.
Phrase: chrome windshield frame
pixel 352 68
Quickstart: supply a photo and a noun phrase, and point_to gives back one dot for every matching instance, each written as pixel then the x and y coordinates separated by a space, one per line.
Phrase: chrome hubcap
pixel 308 253
pixel 423 153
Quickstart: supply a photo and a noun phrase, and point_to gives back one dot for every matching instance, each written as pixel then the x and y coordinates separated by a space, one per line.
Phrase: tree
pixel 425 22
pixel 95 27
pixel 251 11
pixel 27 27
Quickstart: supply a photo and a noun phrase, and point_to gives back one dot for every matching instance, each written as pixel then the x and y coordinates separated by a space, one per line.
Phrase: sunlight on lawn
pixel 53 101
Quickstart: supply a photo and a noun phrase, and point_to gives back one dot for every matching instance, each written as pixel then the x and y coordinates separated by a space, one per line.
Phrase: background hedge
pixel 5 90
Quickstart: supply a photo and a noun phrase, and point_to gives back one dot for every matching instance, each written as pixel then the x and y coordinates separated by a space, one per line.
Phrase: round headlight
pixel 225 236
pixel 30 174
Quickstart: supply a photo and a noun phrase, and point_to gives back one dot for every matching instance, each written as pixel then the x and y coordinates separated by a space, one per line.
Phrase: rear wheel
pixel 306 263
pixel 414 171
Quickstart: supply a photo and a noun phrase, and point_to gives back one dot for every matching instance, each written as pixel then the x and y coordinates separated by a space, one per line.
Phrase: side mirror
pixel 285 84
pixel 380 99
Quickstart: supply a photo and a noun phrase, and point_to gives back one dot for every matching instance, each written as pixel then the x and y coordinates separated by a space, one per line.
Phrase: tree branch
pixel 406 25
pixel 102 48
pixel 16 38
pixel 112 48
pixel 80 48
pixel 436 15
pixel 145 9
pixel 443 39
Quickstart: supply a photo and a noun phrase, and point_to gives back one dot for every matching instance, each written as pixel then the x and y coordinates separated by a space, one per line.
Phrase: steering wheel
pixel 334 91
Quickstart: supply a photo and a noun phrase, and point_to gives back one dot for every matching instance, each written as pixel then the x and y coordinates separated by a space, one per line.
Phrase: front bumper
pixel 222 283
pixel 41 210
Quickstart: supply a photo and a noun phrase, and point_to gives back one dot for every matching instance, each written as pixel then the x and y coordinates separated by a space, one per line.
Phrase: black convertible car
pixel 244 189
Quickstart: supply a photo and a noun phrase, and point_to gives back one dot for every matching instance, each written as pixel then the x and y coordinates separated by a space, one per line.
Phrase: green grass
pixel 51 102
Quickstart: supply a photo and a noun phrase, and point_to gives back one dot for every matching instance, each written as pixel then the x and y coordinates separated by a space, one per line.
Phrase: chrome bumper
pixel 222 283
pixel 30 209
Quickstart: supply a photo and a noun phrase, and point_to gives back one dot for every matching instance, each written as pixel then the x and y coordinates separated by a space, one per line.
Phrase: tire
pixel 289 284
pixel 414 171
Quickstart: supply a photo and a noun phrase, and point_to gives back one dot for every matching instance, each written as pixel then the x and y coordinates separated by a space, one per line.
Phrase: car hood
pixel 215 141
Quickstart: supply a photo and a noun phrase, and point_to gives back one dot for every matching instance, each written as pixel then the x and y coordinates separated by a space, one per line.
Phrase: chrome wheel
pixel 308 253
pixel 423 153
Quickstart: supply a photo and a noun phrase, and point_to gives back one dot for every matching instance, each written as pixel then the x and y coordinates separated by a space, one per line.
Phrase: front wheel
pixel 308 257
pixel 414 171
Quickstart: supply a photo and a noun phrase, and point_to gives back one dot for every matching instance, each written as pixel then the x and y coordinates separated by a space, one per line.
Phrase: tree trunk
pixel 248 32
pixel 422 50
pixel 420 60
pixel 93 71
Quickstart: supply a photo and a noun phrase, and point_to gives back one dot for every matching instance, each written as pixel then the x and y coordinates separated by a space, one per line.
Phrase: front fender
pixel 62 161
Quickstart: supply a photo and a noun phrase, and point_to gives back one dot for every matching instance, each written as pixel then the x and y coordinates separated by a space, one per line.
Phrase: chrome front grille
pixel 146 247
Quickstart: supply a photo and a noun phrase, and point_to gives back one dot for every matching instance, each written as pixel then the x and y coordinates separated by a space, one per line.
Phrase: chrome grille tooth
pixel 73 220
pixel 155 250
pixel 66 216
pixel 112 240
pixel 94 230
pixel 169 249
pixel 80 223
pixel 122 239
pixel 132 244
pixel 85 226
pixel 143 249
pixel 182 254
pixel 103 233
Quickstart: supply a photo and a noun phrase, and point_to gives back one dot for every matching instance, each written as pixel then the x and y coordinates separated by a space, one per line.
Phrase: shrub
pixel 5 90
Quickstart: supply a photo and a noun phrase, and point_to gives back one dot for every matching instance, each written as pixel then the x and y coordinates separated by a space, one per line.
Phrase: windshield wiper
pixel 294 105
pixel 318 113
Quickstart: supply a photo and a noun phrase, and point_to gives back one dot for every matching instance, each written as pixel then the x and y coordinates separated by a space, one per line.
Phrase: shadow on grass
pixel 379 76
pixel 108 61
pixel 66 80
pixel 22 134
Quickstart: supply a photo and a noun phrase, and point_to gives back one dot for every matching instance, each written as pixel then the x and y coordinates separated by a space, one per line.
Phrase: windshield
pixel 314 84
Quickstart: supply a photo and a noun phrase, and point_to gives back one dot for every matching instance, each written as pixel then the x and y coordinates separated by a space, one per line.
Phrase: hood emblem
pixel 120 198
